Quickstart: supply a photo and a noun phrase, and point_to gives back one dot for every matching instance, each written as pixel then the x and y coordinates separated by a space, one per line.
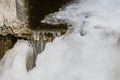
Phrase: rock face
pixel 21 19
pixel 8 12
pixel 17 16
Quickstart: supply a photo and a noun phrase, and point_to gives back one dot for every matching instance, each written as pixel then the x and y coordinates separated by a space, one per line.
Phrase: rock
pixel 6 43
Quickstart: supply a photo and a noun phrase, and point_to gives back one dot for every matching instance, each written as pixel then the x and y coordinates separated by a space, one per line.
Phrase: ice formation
pixel 90 50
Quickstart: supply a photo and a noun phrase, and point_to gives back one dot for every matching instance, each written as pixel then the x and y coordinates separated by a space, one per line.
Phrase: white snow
pixel 13 64
pixel 92 56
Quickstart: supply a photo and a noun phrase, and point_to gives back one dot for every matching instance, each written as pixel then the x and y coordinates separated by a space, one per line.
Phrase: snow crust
pixel 92 56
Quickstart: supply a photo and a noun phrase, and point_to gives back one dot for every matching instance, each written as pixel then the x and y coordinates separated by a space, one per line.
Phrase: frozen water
pixel 90 50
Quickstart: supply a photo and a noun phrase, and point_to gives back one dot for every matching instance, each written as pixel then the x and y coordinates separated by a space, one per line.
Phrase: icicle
pixel 37 35
pixel 0 30
pixel 40 39
pixel 54 34
pixel 41 46
pixel 58 34
pixel 82 27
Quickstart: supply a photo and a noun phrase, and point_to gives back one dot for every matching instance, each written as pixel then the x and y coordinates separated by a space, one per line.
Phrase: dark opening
pixel 37 9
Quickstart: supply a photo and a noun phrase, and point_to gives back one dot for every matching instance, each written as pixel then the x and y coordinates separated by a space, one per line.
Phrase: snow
pixel 92 56
pixel 78 58
pixel 13 64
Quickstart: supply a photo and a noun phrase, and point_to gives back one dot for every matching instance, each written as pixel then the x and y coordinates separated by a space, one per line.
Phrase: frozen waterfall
pixel 90 50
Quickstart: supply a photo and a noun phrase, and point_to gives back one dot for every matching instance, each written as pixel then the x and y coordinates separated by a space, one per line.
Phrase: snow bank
pixel 13 65
pixel 78 58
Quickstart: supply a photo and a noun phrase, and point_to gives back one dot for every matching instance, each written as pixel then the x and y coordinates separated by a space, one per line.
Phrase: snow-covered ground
pixel 89 51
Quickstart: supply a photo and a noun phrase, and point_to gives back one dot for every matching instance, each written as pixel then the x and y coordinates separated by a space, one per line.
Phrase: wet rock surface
pixel 7 42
